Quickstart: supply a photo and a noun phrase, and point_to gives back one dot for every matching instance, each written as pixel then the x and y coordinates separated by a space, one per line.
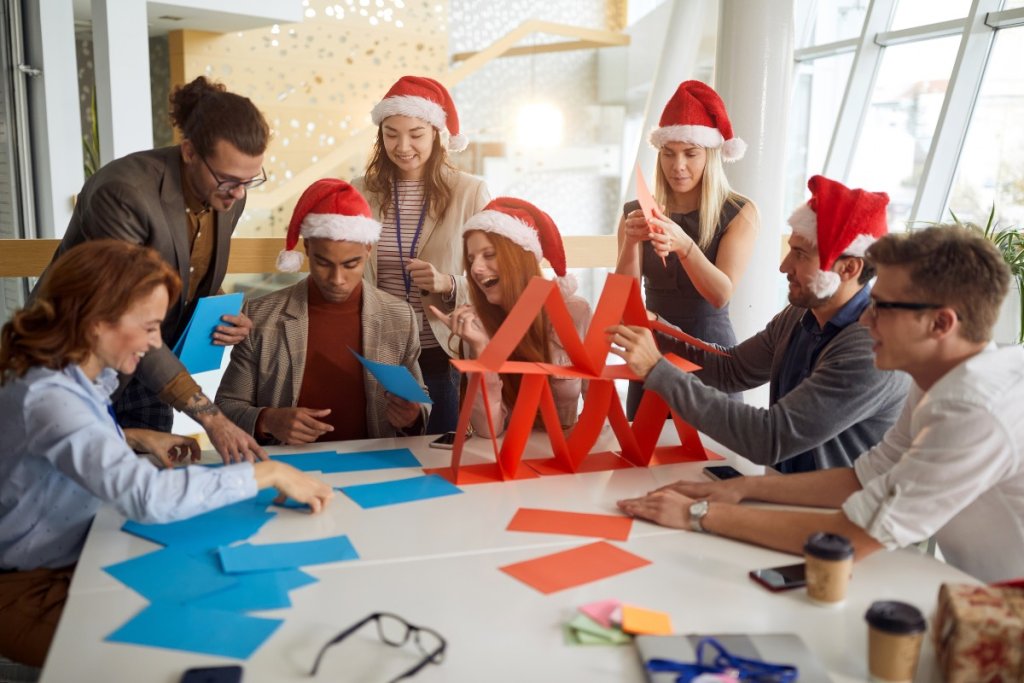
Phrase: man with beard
pixel 828 403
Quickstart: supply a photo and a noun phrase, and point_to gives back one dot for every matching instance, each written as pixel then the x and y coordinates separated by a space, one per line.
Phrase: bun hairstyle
pixel 205 112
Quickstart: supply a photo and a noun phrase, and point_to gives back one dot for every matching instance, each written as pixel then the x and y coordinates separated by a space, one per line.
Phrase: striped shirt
pixel 392 257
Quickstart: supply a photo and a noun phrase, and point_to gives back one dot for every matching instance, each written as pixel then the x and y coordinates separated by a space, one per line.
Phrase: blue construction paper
pixel 330 462
pixel 396 379
pixel 254 558
pixel 209 530
pixel 308 462
pixel 256 591
pixel 170 574
pixel 194 629
pixel 195 347
pixel 400 491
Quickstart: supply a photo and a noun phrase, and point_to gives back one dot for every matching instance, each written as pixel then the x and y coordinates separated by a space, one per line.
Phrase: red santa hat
pixel 331 209
pixel 840 222
pixel 426 99
pixel 696 115
pixel 524 224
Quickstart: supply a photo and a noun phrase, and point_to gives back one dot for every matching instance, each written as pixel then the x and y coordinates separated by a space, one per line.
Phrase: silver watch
pixel 698 511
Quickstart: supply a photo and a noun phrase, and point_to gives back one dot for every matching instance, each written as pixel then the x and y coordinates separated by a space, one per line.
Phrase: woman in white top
pixel 504 245
pixel 421 201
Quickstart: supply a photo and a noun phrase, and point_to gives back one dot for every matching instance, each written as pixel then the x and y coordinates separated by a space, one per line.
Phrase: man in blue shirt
pixel 828 403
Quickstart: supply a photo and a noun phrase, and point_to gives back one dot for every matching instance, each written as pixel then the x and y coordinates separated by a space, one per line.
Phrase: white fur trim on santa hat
pixel 824 284
pixel 410 105
pixel 733 150
pixel 457 143
pixel 340 228
pixel 289 261
pixel 805 223
pixel 506 226
pixel 859 245
pixel 705 136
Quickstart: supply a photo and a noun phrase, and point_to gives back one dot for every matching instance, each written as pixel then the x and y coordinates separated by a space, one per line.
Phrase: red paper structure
pixel 620 302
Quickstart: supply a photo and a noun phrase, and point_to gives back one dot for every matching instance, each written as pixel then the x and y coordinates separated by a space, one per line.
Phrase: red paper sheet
pixel 647 203
pixel 571 568
pixel 612 527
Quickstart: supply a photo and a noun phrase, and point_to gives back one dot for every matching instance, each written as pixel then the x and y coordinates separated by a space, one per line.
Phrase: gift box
pixel 979 633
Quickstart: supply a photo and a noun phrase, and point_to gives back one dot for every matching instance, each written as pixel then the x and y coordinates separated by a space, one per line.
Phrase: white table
pixel 436 562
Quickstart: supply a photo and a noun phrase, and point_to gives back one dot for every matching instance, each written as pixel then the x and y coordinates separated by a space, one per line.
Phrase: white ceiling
pixel 218 16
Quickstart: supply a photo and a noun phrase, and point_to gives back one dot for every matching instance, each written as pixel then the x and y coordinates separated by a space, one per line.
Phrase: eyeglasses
pixel 229 186
pixel 875 306
pixel 395 631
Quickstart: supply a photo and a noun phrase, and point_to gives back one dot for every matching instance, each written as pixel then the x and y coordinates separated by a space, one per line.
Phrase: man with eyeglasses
pixel 184 201
pixel 952 466
pixel 827 403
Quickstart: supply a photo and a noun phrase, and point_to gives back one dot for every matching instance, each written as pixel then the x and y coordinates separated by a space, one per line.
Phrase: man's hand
pixel 168 448
pixel 293 425
pixel 667 508
pixel 427 278
pixel 235 332
pixel 728 491
pixel 401 413
pixel 233 444
pixel 293 484
pixel 636 346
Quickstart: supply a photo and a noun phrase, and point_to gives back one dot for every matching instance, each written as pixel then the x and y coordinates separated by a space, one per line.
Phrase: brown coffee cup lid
pixel 827 546
pixel 895 617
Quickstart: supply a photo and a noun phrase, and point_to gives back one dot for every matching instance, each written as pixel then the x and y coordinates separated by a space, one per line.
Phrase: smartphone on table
pixel 722 472
pixel 213 674
pixel 445 441
pixel 781 578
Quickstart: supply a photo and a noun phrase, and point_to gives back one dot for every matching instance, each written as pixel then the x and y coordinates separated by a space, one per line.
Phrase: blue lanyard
pixel 713 658
pixel 406 278
pixel 110 409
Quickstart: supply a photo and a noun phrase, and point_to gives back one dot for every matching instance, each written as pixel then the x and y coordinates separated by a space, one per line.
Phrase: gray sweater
pixel 840 411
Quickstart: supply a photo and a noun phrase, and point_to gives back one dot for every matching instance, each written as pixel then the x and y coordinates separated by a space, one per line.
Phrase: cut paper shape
pixel 260 558
pixel 195 347
pixel 330 462
pixel 169 574
pixel 256 591
pixel 396 379
pixel 640 621
pixel 209 530
pixel 611 527
pixel 571 568
pixel 399 491
pixel 194 629
pixel 604 612
pixel 647 203
pixel 589 632
pixel 316 461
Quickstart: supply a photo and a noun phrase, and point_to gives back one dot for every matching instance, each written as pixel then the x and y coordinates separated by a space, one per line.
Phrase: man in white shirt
pixel 952 466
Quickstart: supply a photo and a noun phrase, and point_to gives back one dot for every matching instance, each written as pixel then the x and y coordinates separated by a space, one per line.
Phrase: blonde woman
pixel 705 232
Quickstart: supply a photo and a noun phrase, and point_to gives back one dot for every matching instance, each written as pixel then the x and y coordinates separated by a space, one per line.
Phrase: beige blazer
pixel 440 244
pixel 266 369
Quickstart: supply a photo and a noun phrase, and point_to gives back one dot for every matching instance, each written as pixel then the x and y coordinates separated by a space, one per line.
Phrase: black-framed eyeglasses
pixel 395 631
pixel 229 186
pixel 874 306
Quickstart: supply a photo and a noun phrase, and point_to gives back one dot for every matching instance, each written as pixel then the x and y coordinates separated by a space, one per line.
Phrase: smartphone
pixel 213 674
pixel 445 441
pixel 721 472
pixel 780 578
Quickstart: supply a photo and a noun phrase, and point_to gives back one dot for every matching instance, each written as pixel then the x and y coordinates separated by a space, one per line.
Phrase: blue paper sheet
pixel 194 629
pixel 254 558
pixel 209 530
pixel 256 591
pixel 195 347
pixel 308 462
pixel 401 491
pixel 330 462
pixel 395 379
pixel 170 574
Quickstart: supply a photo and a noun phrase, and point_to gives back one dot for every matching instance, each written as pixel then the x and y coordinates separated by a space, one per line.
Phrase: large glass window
pixel 910 13
pixel 833 20
pixel 900 122
pixel 991 168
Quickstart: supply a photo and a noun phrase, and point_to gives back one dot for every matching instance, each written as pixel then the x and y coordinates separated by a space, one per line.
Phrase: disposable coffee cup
pixel 829 559
pixel 895 632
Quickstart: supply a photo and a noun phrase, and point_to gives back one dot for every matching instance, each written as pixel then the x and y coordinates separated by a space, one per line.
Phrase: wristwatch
pixel 698 511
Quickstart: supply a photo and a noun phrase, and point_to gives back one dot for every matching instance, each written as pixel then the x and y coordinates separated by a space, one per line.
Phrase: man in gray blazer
pixel 184 201
pixel 296 378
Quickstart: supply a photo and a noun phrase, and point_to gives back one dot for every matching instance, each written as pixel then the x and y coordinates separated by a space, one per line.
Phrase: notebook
pixel 777 648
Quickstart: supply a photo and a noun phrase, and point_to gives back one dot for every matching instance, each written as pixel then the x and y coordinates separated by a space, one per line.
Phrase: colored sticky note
pixel 571 568
pixel 208 530
pixel 585 626
pixel 645 621
pixel 195 347
pixel 613 527
pixel 255 558
pixel 169 574
pixel 604 612
pixel 194 629
pixel 400 491
pixel 396 379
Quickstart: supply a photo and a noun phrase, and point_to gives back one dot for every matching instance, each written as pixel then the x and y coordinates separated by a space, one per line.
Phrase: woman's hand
pixel 668 238
pixel 427 278
pixel 168 448
pixel 636 228
pixel 463 322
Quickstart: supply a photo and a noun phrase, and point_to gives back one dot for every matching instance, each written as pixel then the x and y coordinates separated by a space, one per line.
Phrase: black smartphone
pixel 780 578
pixel 722 472
pixel 213 674
pixel 446 441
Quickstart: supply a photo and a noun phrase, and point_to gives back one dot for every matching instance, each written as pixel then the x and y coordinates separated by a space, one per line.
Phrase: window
pixel 910 13
pixel 833 20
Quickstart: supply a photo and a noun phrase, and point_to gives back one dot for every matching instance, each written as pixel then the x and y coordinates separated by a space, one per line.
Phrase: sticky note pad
pixel 585 626
pixel 645 621
pixel 604 612
pixel 400 491
pixel 612 527
pixel 169 574
pixel 396 379
pixel 255 558
pixel 571 568
pixel 194 629
pixel 195 347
